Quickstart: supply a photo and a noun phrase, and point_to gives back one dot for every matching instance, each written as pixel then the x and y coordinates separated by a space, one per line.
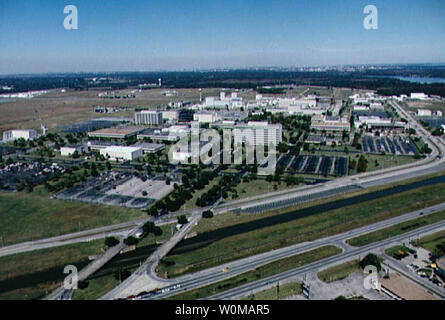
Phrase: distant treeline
pixel 239 79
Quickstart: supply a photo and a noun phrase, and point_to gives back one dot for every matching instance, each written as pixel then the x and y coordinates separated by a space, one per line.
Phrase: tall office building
pixel 258 133
pixel 150 117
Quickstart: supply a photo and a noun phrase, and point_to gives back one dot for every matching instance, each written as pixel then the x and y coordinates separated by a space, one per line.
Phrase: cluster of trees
pixel 111 241
pixel 207 214
pixel 72 176
pixel 173 202
pixel 150 227
pixel 361 165
pixel 226 184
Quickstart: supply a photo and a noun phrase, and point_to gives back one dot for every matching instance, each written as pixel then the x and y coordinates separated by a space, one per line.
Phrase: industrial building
pixel 258 133
pixel 149 147
pixel 27 134
pixel 121 153
pixel 207 116
pixel 115 133
pixel 330 124
pixel 171 116
pixel 70 150
pixel 148 117
pixel 173 133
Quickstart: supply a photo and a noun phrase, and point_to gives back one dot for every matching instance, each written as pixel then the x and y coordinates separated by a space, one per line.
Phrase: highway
pixel 216 274
pixel 345 256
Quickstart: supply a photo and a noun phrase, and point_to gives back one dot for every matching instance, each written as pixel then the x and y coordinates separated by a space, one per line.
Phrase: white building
pixel 121 153
pixel 327 123
pixel 419 96
pixel 70 150
pixel 150 117
pixel 170 115
pixel 258 133
pixel 207 116
pixel 424 113
pixel 19 134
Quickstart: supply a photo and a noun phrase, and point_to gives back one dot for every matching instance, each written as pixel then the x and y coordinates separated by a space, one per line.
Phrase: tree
pixel 157 231
pixel 130 241
pixel 182 220
pixel 371 260
pixel 82 284
pixel 362 164
pixel 111 241
pixel 148 227
pixel 207 214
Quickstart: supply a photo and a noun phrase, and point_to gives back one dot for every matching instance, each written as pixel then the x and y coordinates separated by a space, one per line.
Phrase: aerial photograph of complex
pixel 262 152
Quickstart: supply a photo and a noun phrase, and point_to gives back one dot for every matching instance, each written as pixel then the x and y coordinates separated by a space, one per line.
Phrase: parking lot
pixel 389 145
pixel 14 176
pixel 308 164
pixel 155 188
pixel 118 189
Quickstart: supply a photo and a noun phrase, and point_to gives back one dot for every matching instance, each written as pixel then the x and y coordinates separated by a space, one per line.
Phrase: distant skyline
pixel 135 35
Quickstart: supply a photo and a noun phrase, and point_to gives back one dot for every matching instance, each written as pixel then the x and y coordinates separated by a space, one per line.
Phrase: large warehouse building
pixel 17 134
pixel 121 153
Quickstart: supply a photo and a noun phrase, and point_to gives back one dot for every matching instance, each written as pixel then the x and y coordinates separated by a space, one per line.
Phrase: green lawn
pixel 259 186
pixel 431 241
pixel 32 216
pixel 397 251
pixel 284 291
pixel 396 229
pixel 32 275
pixel 259 273
pixel 379 162
pixel 243 244
pixel 339 272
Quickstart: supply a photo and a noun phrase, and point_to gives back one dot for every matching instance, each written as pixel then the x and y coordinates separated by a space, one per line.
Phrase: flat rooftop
pixel 116 131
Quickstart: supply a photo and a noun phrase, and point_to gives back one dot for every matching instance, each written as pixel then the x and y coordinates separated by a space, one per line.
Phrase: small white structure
pixel 18 134
pixel 419 96
pixel 424 113
pixel 70 150
pixel 121 153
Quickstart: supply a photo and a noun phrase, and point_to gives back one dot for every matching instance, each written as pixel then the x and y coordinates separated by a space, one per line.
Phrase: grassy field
pixel 339 272
pixel 396 229
pixel 259 186
pixel 32 275
pixel 56 109
pixel 260 273
pixel 396 250
pixel 431 241
pixel 379 162
pixel 33 216
pixel 285 291
pixel 240 244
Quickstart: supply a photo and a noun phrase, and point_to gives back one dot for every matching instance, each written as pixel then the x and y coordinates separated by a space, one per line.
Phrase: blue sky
pixel 183 34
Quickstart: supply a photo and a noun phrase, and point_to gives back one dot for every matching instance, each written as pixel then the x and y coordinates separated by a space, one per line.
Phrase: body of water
pixel 421 80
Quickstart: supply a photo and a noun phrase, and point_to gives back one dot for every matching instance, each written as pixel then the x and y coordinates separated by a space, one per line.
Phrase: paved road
pixel 346 255
pixel 240 266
